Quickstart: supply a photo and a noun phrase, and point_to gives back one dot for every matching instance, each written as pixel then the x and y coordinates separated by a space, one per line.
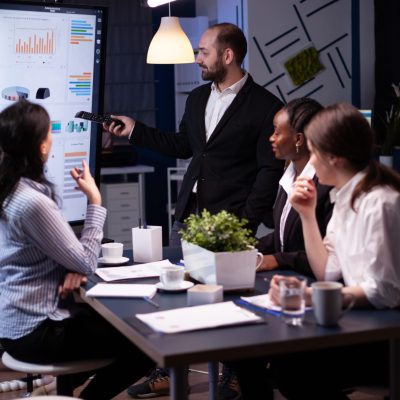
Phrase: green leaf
pixel 219 232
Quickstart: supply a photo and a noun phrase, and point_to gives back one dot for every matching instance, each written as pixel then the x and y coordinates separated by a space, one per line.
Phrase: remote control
pixel 98 118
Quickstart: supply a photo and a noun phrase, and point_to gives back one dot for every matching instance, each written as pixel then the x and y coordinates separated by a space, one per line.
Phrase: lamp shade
pixel 170 45
pixel 156 3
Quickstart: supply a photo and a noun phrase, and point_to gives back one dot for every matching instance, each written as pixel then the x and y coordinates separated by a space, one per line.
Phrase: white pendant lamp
pixel 156 3
pixel 170 45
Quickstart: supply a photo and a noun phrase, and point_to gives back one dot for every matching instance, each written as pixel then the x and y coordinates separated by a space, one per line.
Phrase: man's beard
pixel 217 75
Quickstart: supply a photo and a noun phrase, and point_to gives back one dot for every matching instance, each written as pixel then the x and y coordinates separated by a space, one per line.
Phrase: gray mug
pixel 327 302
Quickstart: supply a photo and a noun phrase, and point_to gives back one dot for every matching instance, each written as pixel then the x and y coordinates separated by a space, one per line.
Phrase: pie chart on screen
pixel 15 93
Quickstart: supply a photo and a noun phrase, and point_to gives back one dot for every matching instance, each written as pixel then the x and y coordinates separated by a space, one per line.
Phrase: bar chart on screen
pixel 81 31
pixel 39 41
pixel 53 55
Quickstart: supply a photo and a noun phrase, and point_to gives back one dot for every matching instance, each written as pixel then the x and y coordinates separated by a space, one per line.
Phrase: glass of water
pixel 292 297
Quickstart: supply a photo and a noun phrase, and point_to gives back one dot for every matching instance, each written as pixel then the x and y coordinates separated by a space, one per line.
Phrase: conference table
pixel 271 337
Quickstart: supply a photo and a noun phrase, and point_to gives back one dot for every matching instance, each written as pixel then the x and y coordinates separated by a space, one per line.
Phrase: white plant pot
pixel 232 270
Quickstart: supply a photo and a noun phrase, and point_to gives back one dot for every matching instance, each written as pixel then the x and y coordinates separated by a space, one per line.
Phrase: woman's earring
pixel 297 148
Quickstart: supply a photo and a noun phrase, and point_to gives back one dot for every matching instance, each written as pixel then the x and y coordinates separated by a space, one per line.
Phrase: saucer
pixel 185 285
pixel 112 261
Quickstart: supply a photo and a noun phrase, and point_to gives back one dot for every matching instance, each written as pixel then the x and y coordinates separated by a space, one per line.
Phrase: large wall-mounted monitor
pixel 54 54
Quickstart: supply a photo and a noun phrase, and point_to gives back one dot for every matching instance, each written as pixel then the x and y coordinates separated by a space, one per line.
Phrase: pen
pixel 140 223
pixel 149 300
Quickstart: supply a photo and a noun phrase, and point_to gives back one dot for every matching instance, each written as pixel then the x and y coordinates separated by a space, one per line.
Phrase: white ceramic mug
pixel 112 251
pixel 327 302
pixel 171 277
pixel 260 258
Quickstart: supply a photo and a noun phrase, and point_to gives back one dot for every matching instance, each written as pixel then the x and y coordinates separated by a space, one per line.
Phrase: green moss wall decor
pixel 303 66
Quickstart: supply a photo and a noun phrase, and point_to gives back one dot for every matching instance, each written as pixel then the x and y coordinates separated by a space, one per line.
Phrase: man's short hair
pixel 231 36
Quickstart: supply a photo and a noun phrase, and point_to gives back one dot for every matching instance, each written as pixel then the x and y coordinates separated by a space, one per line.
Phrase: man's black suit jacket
pixel 293 255
pixel 235 169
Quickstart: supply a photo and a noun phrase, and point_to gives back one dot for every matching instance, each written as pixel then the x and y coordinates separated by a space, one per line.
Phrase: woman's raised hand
pixel 304 196
pixel 86 183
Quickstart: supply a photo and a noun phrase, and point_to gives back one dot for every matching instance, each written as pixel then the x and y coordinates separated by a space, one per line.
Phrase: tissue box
pixel 205 294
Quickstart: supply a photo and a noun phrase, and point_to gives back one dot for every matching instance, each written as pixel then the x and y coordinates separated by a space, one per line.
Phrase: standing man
pixel 225 129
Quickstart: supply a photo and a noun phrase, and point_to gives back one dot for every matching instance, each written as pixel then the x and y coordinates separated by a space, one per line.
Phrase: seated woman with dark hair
pixel 42 261
pixel 360 247
pixel 284 248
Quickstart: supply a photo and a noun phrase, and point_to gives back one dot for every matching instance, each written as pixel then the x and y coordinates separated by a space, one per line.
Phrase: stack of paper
pixel 132 271
pixel 199 317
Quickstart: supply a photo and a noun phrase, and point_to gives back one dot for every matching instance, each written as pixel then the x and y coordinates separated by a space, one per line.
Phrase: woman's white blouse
pixel 364 244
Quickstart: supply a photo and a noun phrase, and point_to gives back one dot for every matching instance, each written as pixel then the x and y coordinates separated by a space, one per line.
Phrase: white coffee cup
pixel 327 302
pixel 112 250
pixel 260 258
pixel 171 276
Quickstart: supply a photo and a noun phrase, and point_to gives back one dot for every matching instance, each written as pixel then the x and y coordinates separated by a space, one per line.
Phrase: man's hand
pixel 120 130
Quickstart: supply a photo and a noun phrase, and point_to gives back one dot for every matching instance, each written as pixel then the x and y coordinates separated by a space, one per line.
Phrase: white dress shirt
pixel 218 102
pixel 286 182
pixel 363 244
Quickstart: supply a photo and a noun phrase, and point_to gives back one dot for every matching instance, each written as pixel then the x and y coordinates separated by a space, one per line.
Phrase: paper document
pixel 264 301
pixel 121 290
pixel 132 271
pixel 199 317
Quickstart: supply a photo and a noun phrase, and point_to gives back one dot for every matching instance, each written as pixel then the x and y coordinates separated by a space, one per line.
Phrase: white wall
pixel 208 8
pixel 267 19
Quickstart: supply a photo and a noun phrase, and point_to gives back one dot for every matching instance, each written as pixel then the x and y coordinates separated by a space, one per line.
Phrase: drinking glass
pixel 292 297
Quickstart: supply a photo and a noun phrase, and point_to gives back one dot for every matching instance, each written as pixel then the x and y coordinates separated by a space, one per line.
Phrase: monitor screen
pixel 53 54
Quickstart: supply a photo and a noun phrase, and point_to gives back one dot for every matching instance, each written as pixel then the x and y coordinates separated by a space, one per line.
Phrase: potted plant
pixel 392 125
pixel 218 249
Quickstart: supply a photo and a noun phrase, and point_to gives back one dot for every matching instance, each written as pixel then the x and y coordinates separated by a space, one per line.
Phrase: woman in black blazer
pixel 284 248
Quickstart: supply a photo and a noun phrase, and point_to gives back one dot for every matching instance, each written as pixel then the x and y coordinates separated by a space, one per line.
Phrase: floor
pixel 197 380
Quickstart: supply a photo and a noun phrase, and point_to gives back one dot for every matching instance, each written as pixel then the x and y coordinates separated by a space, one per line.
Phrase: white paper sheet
pixel 199 317
pixel 146 270
pixel 121 290
pixel 264 301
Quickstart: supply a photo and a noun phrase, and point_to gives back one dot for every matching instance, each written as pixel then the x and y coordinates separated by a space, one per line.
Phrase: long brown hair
pixel 342 131
pixel 23 127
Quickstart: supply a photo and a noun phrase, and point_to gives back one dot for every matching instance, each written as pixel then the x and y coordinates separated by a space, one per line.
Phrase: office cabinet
pixel 125 202
pixel 122 203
